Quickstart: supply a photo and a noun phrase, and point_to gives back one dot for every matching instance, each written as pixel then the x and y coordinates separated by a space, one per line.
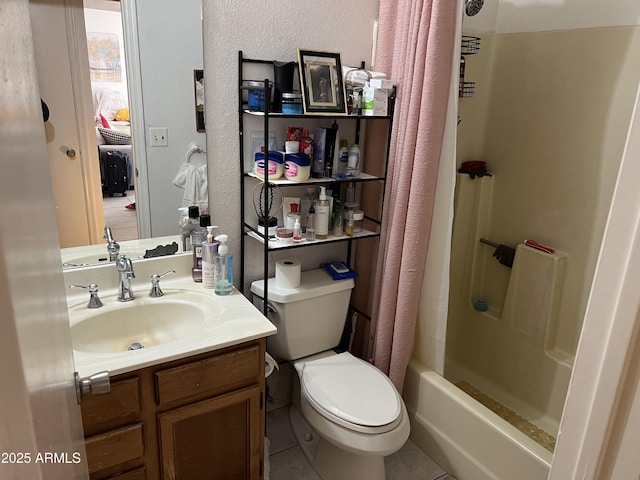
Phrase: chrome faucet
pixel 126 273
pixel 113 248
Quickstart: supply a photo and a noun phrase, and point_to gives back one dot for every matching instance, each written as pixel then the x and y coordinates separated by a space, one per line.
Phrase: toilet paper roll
pixel 270 365
pixel 288 274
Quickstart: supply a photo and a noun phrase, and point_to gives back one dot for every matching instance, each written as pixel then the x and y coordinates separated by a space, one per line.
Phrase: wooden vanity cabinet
pixel 197 417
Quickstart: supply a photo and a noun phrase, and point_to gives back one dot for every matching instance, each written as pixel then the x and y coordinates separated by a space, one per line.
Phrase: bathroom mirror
pixel 159 96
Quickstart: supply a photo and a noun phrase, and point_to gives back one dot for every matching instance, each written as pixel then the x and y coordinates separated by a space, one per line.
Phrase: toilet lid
pixel 351 390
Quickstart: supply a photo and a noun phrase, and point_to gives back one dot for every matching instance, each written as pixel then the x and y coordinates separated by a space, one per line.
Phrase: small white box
pixel 380 104
pixel 382 83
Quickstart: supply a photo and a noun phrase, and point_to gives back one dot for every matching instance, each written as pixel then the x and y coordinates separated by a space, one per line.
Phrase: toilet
pixel 346 414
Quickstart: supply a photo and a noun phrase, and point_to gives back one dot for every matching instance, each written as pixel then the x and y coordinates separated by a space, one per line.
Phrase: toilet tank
pixel 310 319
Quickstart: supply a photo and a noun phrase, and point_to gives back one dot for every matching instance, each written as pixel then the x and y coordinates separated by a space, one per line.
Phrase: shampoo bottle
pixel 209 252
pixel 223 269
pixel 322 215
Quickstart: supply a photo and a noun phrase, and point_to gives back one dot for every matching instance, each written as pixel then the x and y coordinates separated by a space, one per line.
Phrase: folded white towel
pixel 194 181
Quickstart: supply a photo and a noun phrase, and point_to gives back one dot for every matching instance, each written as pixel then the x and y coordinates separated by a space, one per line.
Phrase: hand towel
pixel 193 179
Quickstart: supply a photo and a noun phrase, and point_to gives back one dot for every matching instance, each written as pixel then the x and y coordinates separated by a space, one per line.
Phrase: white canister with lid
pixel 297 167
pixel 358 220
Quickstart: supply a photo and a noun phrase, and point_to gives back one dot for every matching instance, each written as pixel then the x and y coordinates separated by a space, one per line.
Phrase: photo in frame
pixel 321 82
pixel 198 89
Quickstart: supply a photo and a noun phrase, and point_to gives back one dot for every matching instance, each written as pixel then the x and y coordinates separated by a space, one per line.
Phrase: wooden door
pixel 216 439
pixel 63 78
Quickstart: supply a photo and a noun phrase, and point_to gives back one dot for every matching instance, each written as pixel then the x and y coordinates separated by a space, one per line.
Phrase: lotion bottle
pixel 322 215
pixel 223 270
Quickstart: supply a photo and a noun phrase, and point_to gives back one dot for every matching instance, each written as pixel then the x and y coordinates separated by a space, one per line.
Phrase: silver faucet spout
pixel 113 248
pixel 125 273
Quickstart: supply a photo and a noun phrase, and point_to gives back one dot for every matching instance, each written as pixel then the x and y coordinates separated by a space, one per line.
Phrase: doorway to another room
pixel 105 45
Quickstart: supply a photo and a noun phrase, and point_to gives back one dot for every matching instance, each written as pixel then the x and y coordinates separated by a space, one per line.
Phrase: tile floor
pixel 123 221
pixel 288 463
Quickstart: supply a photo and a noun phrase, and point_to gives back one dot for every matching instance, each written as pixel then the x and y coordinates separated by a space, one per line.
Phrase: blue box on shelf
pixel 339 271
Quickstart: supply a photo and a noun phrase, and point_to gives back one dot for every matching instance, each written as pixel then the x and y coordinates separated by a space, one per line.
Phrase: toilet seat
pixel 350 392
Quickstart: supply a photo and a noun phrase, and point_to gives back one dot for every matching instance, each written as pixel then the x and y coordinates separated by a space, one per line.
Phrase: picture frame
pixel 198 91
pixel 321 82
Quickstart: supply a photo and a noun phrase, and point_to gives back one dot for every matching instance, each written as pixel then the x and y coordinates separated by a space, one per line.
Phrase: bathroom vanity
pixel 178 419
pixel 190 404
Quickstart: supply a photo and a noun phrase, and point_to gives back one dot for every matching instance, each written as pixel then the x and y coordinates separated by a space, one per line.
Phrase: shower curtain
pixel 416 40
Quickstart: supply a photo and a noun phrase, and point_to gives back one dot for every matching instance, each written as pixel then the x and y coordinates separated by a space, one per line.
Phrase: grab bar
pixel 489 242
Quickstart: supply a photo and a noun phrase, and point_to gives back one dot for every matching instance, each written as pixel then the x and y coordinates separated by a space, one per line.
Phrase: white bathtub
pixel 464 437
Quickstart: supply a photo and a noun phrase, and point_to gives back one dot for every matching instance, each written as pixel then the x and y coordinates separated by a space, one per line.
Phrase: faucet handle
pixel 94 300
pixel 155 284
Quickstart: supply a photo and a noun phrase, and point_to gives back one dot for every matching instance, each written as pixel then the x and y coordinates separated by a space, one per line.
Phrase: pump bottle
pixel 223 269
pixel 322 215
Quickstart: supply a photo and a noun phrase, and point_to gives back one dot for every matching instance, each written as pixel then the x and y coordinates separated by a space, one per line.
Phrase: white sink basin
pixel 144 321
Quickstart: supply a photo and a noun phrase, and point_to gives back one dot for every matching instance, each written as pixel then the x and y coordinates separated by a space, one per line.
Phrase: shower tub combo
pixel 496 412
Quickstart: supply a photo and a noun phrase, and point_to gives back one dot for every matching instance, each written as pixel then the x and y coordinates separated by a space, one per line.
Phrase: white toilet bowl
pixel 347 416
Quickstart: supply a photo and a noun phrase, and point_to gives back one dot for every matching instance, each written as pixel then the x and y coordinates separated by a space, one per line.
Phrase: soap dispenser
pixel 223 269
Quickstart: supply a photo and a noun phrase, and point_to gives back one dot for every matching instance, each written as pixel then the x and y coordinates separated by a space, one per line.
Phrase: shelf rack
pixel 249 231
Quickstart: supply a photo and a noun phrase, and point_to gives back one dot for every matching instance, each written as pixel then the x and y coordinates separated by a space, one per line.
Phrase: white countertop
pixel 237 320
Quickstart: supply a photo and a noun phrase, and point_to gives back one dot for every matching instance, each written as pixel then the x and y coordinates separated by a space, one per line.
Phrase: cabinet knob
pixel 96 384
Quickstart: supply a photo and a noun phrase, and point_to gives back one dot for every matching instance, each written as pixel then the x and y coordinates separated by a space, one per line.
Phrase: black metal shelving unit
pixel 250 231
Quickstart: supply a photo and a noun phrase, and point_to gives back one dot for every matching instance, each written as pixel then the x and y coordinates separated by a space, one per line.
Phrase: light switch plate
pixel 158 137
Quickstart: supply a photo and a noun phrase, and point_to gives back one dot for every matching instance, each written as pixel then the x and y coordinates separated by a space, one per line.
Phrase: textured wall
pixel 266 30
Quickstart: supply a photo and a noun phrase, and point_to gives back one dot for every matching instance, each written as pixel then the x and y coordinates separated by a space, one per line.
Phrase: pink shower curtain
pixel 416 41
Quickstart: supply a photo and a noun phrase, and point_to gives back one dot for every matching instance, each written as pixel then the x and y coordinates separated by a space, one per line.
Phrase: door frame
pixel 81 87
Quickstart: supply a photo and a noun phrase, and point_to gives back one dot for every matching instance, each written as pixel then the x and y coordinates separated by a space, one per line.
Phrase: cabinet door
pixel 216 439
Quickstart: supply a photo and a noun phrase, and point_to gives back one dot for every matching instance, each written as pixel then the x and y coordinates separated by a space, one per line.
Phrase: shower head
pixel 472 7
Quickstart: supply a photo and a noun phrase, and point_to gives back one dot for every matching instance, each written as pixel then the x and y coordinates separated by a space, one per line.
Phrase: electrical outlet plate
pixel 158 137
